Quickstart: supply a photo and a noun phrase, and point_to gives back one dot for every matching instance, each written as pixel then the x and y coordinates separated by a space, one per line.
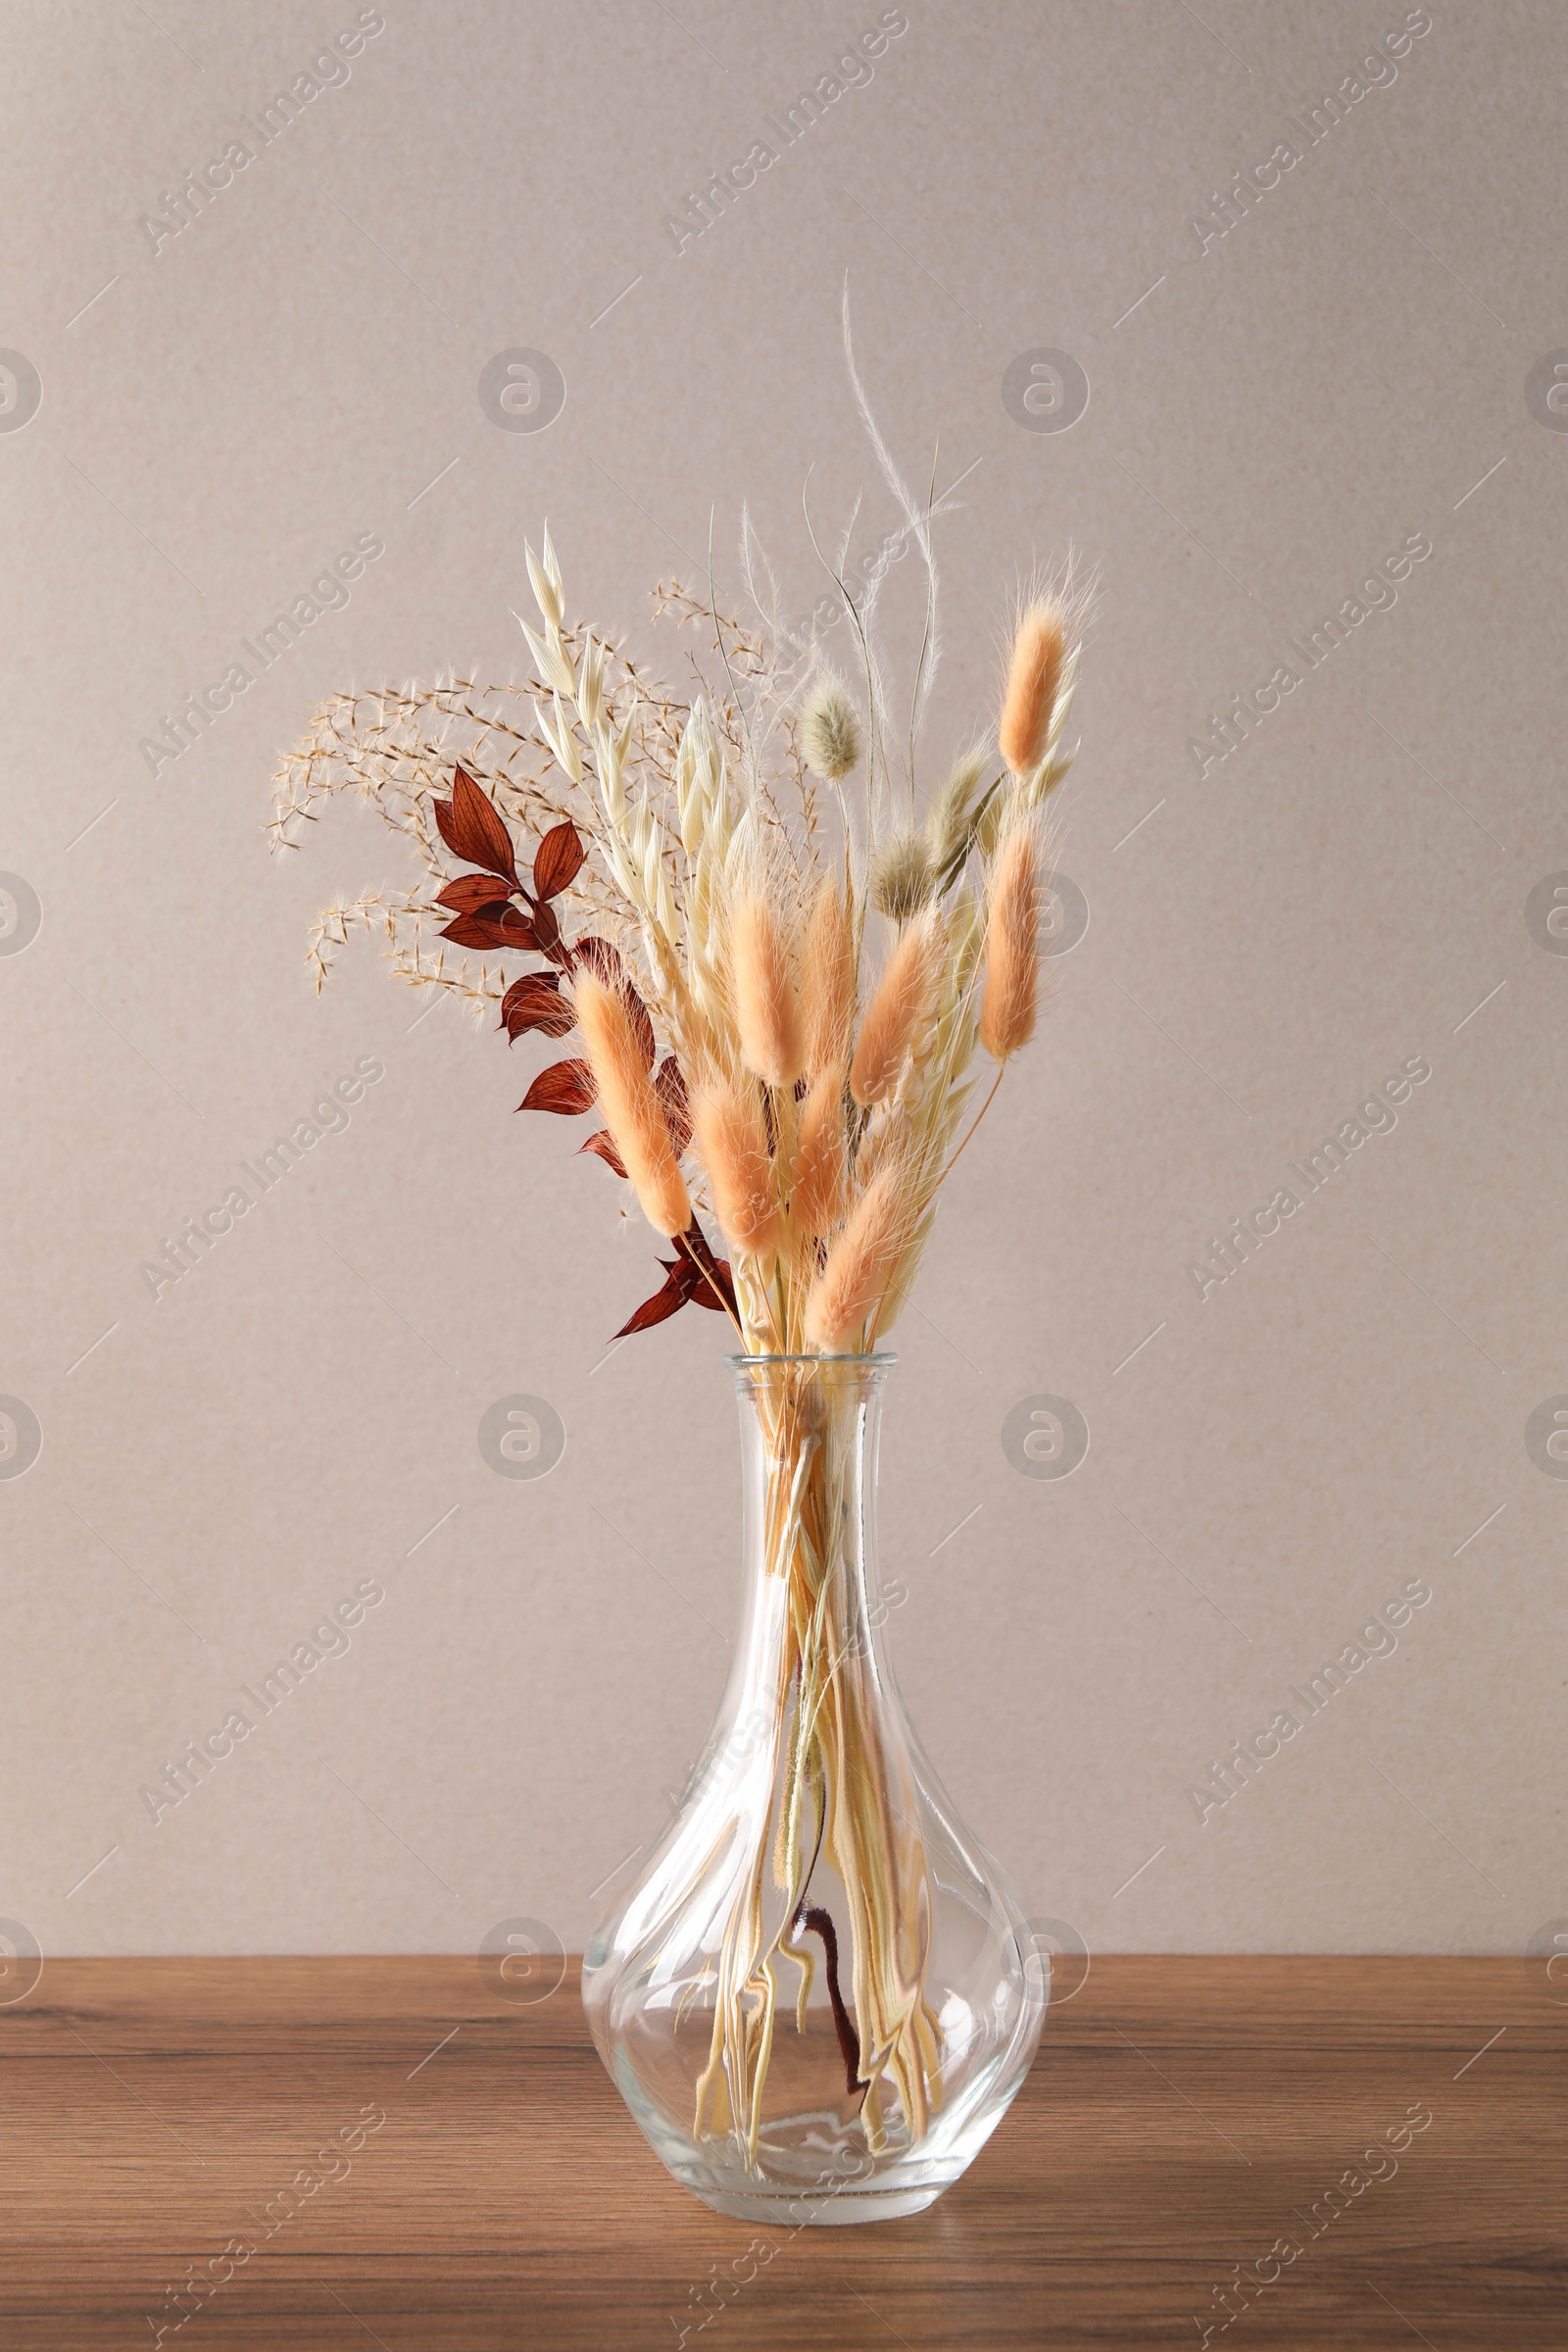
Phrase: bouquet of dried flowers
pixel 780 969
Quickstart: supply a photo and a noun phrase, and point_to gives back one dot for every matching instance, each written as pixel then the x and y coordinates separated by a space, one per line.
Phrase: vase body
pixel 816 1991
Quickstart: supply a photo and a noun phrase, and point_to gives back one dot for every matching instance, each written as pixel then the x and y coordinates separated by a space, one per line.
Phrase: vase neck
pixel 810 1432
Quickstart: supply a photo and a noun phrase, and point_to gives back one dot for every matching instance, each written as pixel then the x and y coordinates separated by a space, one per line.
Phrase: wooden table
pixel 1184 2117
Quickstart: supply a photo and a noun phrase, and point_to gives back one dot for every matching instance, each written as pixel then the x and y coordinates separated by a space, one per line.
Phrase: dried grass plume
pixel 1012 952
pixel 902 878
pixel 767 1014
pixel 831 731
pixel 816 1191
pixel 948 826
pixel 732 1144
pixel 845 1294
pixel 827 982
pixel 1034 682
pixel 902 1001
pixel 632 1110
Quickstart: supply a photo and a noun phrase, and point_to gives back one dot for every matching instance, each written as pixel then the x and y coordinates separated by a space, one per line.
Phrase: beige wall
pixel 1272 413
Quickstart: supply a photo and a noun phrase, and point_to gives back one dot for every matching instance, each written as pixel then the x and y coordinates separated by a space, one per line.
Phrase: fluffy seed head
pixel 766 1012
pixel 948 823
pixel 902 1001
pixel 827 982
pixel 1034 682
pixel 901 879
pixel 990 820
pixel 1012 955
pixel 831 731
pixel 858 1264
pixel 632 1110
pixel 816 1188
pixel 732 1144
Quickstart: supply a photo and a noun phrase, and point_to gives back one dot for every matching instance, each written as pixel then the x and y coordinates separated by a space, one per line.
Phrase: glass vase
pixel 816 1991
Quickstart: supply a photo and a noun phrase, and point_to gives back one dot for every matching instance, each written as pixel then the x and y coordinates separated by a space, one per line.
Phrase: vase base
pixel 778 2208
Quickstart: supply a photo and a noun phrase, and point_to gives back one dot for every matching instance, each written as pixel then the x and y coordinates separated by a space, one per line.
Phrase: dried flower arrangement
pixel 779 971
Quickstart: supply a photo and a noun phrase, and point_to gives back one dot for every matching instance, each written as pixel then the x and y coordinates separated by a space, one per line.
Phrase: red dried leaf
pixel 671 1088
pixel 519 931
pixel 536 1002
pixel 604 1144
pixel 557 860
pixel 602 960
pixel 508 930
pixel 713 1271
pixel 567 1087
pixel 472 830
pixel 665 1303
pixel 546 928
pixel 704 1295
pixel 471 893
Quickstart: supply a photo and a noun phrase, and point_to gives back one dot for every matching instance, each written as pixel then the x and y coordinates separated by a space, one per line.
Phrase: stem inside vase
pixel 811 1988
pixel 844 1787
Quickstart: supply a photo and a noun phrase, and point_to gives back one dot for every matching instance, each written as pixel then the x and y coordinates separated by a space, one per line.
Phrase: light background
pixel 1270 415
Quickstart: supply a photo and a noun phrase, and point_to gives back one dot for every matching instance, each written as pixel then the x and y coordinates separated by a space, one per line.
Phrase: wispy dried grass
pixel 632 1110
pixel 831 731
pixel 900 1006
pixel 731 1139
pixel 1012 952
pixel 821 1160
pixel 845 1296
pixel 1034 680
pixel 949 823
pixel 767 1014
pixel 903 877
pixel 708 863
pixel 827 982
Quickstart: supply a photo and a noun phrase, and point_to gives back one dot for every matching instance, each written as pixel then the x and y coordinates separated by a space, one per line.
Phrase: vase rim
pixel 878 1357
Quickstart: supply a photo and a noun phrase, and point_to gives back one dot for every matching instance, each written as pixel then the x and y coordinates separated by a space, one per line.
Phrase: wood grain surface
pixel 1184 2116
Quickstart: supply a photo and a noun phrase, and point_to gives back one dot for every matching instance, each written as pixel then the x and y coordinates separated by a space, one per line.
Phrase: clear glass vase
pixel 816 1991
